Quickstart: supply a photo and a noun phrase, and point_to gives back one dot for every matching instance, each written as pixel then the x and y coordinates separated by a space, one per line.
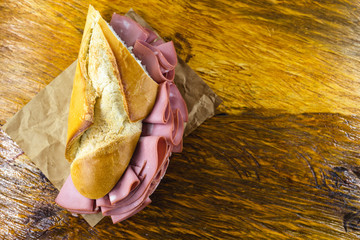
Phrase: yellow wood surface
pixel 280 160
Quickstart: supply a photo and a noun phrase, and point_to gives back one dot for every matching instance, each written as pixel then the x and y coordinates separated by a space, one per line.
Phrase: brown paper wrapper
pixel 40 127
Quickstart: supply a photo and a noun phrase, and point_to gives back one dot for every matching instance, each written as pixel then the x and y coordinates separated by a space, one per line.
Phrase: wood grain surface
pixel 280 160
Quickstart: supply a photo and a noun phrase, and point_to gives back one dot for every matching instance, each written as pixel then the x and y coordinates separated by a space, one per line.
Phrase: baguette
pixel 112 94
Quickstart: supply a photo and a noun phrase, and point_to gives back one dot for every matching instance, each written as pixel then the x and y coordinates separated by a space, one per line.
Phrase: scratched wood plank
pixel 279 161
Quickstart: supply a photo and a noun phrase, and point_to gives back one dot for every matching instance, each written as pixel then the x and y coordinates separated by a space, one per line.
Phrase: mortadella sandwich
pixel 126 117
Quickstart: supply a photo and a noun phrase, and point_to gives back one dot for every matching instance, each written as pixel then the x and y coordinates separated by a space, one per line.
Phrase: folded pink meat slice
pixel 159 68
pixel 151 37
pixel 103 202
pixel 128 30
pixel 178 148
pixel 72 200
pixel 177 101
pixel 159 175
pixel 153 151
pixel 178 131
pixel 158 42
pixel 169 57
pixel 122 189
pixel 165 53
pixel 173 130
pixel 125 187
pixel 161 110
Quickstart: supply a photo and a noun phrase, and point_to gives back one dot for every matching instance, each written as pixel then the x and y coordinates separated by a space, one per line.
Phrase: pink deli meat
pixel 161 109
pixel 72 200
pixel 150 156
pixel 128 30
pixel 162 132
pixel 173 130
pixel 177 101
pixel 158 56
pixel 159 68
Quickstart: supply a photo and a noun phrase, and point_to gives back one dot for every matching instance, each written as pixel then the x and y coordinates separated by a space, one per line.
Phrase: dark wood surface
pixel 280 160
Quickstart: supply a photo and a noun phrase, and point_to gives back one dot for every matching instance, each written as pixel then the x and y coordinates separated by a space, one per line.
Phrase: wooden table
pixel 281 158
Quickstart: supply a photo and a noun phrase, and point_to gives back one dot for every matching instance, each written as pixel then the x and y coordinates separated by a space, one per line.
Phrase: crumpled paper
pixel 40 127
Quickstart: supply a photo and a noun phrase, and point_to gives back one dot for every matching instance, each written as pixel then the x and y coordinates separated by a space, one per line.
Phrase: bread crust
pixel 81 110
pixel 96 173
pixel 136 85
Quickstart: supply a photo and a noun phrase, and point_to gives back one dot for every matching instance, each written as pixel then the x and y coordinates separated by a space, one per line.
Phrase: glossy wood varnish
pixel 280 160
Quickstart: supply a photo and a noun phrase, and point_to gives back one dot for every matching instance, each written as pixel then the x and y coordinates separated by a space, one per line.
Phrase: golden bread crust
pixel 98 157
pixel 96 174
pixel 81 114
pixel 136 85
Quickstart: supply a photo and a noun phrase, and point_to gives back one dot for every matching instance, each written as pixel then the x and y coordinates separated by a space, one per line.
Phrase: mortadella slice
pixel 178 128
pixel 150 57
pixel 127 29
pixel 158 42
pixel 177 101
pixel 103 202
pixel 161 110
pixel 122 189
pixel 152 150
pixel 160 174
pixel 151 37
pixel 166 59
pixel 173 130
pixel 168 52
pixel 178 148
pixel 165 130
pixel 71 199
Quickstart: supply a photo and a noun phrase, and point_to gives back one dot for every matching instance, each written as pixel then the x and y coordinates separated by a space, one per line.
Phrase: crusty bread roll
pixel 111 95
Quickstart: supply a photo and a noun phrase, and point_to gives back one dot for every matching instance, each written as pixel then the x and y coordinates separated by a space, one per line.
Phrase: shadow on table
pixel 265 170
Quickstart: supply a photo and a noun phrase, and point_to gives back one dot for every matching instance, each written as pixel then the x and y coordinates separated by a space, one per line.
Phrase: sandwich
pixel 126 118
pixel 112 94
